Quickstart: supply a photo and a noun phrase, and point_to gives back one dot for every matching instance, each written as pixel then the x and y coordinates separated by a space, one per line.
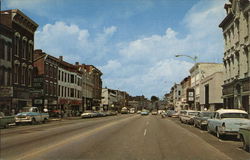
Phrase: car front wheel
pixel 218 135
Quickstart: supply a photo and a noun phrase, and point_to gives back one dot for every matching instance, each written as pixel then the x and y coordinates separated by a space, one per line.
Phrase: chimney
pixel 61 58
pixel 77 63
pixel 38 52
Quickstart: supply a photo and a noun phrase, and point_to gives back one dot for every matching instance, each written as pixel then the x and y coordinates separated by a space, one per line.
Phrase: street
pixel 118 137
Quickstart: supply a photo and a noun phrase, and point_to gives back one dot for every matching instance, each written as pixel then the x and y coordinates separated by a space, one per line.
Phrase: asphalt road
pixel 132 137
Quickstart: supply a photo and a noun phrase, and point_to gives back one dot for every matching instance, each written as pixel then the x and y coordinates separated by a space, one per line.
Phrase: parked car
pixel 169 113
pixel 244 136
pixel 154 112
pixel 88 114
pixel 188 116
pixel 139 112
pixel 144 112
pixel 182 113
pixel 175 115
pixel 6 120
pixel 200 120
pixel 228 122
pixel 31 115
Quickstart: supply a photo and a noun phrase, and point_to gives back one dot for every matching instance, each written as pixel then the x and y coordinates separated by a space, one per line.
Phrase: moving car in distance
pixel 144 112
pixel 200 120
pixel 124 110
pixel 88 114
pixel 228 122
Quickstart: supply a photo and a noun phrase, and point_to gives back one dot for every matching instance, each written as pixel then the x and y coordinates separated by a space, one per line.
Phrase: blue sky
pixel 133 42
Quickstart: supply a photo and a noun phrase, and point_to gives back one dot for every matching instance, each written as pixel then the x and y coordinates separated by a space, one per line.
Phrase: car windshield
pixel 234 115
pixel 193 113
pixel 206 114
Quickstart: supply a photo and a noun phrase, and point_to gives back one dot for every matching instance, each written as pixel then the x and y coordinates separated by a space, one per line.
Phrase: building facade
pixel 211 92
pixel 198 72
pixel 109 99
pixel 6 87
pixel 45 82
pixel 69 88
pixel 22 55
pixel 236 32
pixel 185 84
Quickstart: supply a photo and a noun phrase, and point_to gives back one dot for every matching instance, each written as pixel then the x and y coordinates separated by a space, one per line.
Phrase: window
pixel 24 48
pixel 59 75
pixel 72 79
pixel 9 52
pixel 16 44
pixel 2 76
pixel 62 91
pixel 72 92
pixel 1 49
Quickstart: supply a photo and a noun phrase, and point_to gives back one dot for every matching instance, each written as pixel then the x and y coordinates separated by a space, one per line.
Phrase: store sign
pixel 6 91
pixel 190 95
pixel 38 101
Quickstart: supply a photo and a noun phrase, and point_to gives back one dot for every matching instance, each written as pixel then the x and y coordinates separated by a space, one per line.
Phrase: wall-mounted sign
pixel 6 91
pixel 190 95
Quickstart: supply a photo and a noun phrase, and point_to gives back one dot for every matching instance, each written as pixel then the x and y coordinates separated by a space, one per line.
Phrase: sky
pixel 133 42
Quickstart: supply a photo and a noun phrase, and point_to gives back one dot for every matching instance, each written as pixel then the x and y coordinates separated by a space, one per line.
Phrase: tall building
pixel 45 81
pixel 236 32
pixel 6 87
pixel 23 29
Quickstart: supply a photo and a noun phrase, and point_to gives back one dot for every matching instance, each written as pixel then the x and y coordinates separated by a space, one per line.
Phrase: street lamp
pixel 195 61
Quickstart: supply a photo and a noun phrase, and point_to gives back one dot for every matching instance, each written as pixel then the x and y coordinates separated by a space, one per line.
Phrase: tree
pixel 154 99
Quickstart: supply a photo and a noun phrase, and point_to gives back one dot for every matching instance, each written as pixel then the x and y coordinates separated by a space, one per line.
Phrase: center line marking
pixel 145 132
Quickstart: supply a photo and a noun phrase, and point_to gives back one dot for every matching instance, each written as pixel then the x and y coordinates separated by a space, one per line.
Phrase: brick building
pixel 6 89
pixel 22 55
pixel 45 81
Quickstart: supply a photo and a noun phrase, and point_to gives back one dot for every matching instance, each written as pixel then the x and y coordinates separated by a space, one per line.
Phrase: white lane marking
pixel 145 132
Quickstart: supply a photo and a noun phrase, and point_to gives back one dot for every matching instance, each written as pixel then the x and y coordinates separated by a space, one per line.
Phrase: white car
pixel 228 122
pixel 187 117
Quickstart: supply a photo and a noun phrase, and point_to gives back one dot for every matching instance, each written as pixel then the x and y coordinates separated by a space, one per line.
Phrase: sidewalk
pixel 64 118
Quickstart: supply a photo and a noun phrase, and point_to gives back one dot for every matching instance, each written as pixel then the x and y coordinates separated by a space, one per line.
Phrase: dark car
pixel 200 120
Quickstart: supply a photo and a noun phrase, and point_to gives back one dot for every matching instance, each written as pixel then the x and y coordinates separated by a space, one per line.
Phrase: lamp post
pixel 195 61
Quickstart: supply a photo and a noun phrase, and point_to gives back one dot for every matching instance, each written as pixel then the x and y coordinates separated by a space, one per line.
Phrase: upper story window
pixel 17 44
pixel 24 47
pixel 30 50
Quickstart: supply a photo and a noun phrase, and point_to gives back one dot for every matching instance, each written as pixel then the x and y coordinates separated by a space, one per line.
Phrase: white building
pixel 211 92
pixel 69 88
pixel 236 32
pixel 198 72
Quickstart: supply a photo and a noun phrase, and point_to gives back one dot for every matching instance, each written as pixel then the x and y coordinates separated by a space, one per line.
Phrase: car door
pixel 212 122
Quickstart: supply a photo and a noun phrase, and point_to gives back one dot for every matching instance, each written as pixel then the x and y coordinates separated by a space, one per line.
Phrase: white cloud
pixel 153 58
pixel 146 65
pixel 70 40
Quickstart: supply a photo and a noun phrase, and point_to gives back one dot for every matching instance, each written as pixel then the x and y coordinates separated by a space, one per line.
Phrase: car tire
pixel 195 125
pixel 218 135
pixel 245 147
pixel 33 121
pixel 208 130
